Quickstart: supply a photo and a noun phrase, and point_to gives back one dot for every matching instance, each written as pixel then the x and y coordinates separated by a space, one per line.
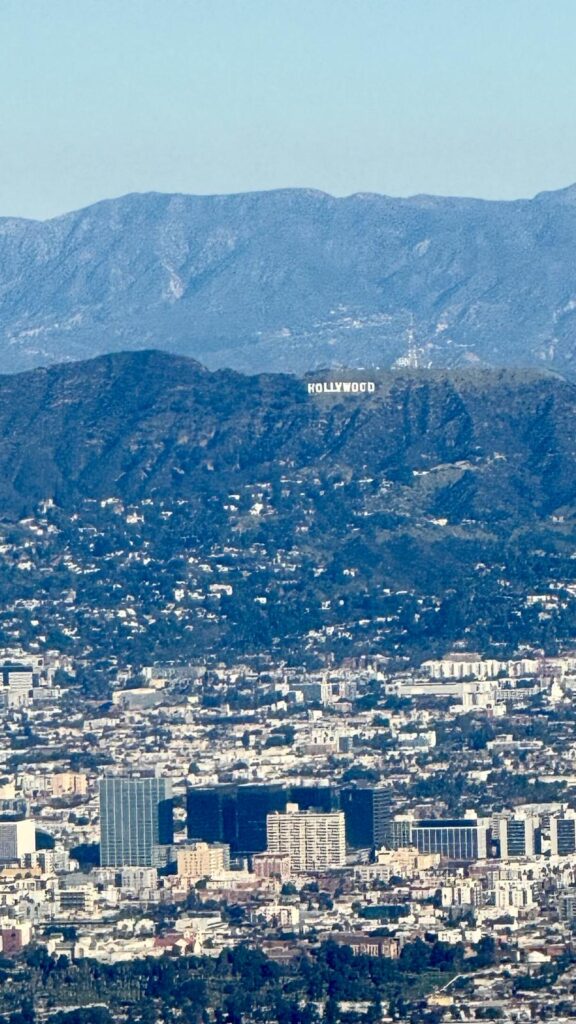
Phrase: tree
pixel 415 956
pixel 485 952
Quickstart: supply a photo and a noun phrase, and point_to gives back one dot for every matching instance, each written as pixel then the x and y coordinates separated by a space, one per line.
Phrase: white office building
pixel 17 838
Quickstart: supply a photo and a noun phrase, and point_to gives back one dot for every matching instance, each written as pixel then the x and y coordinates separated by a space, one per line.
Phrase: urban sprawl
pixel 370 805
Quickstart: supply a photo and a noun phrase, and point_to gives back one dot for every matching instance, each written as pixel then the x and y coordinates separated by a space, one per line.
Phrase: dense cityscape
pixel 419 816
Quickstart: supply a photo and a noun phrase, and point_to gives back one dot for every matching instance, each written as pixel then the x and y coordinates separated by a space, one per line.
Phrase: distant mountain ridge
pixel 295 279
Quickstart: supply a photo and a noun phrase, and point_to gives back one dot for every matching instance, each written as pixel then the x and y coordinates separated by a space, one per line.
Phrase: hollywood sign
pixel 336 387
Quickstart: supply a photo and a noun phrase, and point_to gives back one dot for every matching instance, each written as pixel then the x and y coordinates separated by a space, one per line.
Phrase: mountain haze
pixel 295 279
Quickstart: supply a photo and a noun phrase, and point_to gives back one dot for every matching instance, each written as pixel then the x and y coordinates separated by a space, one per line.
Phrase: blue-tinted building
pixel 136 818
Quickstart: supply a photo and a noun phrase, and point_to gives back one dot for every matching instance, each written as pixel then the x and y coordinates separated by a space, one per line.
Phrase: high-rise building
pixel 17 838
pixel 211 814
pixel 398 832
pixel 367 810
pixel 518 837
pixel 314 797
pixel 135 820
pixel 562 835
pixel 234 814
pixel 253 805
pixel 313 841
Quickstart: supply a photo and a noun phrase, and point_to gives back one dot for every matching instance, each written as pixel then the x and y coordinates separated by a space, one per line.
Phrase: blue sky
pixel 461 97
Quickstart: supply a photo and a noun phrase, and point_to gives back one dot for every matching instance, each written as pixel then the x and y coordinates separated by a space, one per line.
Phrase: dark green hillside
pixel 491 444
pixel 425 512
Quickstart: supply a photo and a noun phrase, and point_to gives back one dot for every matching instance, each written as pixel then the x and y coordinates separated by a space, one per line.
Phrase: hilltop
pixel 141 424
pixel 152 507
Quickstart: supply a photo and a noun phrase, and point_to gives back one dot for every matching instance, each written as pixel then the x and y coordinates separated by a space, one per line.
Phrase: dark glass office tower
pixel 211 814
pixel 233 814
pixel 367 810
pixel 315 798
pixel 562 836
pixel 237 814
pixel 202 818
pixel 253 804
pixel 136 817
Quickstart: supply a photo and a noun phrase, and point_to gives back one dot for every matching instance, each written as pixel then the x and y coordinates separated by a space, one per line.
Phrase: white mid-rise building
pixel 136 879
pixel 314 841
pixel 17 838
pixel 77 899
pixel 513 894
pixel 16 685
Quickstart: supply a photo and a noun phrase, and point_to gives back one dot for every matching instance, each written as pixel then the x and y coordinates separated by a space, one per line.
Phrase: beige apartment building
pixel 202 860
pixel 314 841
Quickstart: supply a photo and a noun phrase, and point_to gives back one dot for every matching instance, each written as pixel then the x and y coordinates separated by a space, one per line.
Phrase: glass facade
pixel 516 836
pixel 457 840
pixel 253 805
pixel 211 814
pixel 233 814
pixel 135 818
pixel 367 810
pixel 563 836
pixel 237 814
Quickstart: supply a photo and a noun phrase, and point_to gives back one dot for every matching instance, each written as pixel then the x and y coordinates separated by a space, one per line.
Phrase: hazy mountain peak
pixel 295 279
pixel 562 195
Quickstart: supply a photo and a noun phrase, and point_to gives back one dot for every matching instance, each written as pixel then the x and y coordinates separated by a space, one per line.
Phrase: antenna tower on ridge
pixel 412 349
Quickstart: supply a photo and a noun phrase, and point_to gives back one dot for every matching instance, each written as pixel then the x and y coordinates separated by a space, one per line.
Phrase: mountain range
pixel 292 280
